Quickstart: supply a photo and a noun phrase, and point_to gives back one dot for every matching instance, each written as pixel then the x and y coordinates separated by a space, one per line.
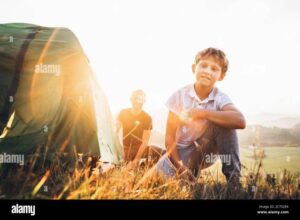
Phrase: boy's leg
pixel 205 149
pixel 217 140
pixel 154 153
pixel 193 156
pixel 165 166
pixel 228 146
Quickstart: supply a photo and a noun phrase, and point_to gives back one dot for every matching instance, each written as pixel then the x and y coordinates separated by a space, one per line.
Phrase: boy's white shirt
pixel 186 99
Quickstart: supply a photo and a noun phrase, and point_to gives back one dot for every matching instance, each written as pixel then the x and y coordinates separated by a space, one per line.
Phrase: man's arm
pixel 228 117
pixel 118 129
pixel 143 147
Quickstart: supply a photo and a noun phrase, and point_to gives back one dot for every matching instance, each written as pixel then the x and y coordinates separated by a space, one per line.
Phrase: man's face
pixel 137 101
pixel 208 71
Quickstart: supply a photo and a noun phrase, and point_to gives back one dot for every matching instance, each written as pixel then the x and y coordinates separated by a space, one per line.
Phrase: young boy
pixel 202 122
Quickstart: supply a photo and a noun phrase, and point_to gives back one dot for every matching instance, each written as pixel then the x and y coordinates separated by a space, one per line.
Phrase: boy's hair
pixel 219 55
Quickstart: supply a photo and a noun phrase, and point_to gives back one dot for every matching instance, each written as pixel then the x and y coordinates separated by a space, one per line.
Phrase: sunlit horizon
pixel 151 45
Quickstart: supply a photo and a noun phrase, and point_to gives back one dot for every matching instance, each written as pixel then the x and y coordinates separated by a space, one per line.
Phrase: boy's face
pixel 208 71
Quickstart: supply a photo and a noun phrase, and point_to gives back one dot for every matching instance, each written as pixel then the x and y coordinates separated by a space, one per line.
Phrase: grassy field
pixel 263 178
pixel 276 159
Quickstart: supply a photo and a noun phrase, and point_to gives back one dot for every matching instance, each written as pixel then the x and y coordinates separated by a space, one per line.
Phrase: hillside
pixel 270 136
pixel 254 134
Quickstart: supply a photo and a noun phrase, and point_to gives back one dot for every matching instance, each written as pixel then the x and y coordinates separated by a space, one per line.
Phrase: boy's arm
pixel 171 142
pixel 228 117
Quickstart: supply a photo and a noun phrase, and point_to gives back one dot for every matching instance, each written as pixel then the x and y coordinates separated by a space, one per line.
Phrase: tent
pixel 50 101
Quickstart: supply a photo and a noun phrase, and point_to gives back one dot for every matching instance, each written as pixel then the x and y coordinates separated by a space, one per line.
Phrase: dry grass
pixel 57 182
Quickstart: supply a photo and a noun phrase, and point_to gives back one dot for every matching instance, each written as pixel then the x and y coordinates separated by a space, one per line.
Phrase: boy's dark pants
pixel 216 140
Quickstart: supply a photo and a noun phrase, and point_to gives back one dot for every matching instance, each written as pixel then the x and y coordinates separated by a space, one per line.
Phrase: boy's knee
pixel 219 130
pixel 226 137
pixel 228 147
pixel 213 130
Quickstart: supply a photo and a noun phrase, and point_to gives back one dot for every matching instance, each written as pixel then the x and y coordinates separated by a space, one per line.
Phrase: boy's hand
pixel 183 171
pixel 197 114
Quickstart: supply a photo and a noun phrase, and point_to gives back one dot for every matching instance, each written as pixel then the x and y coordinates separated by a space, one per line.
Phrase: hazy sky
pixel 151 45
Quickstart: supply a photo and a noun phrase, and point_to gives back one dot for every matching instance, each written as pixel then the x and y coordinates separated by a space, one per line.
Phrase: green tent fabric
pixel 50 101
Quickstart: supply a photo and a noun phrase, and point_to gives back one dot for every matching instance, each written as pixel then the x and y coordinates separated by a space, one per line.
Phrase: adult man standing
pixel 136 127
